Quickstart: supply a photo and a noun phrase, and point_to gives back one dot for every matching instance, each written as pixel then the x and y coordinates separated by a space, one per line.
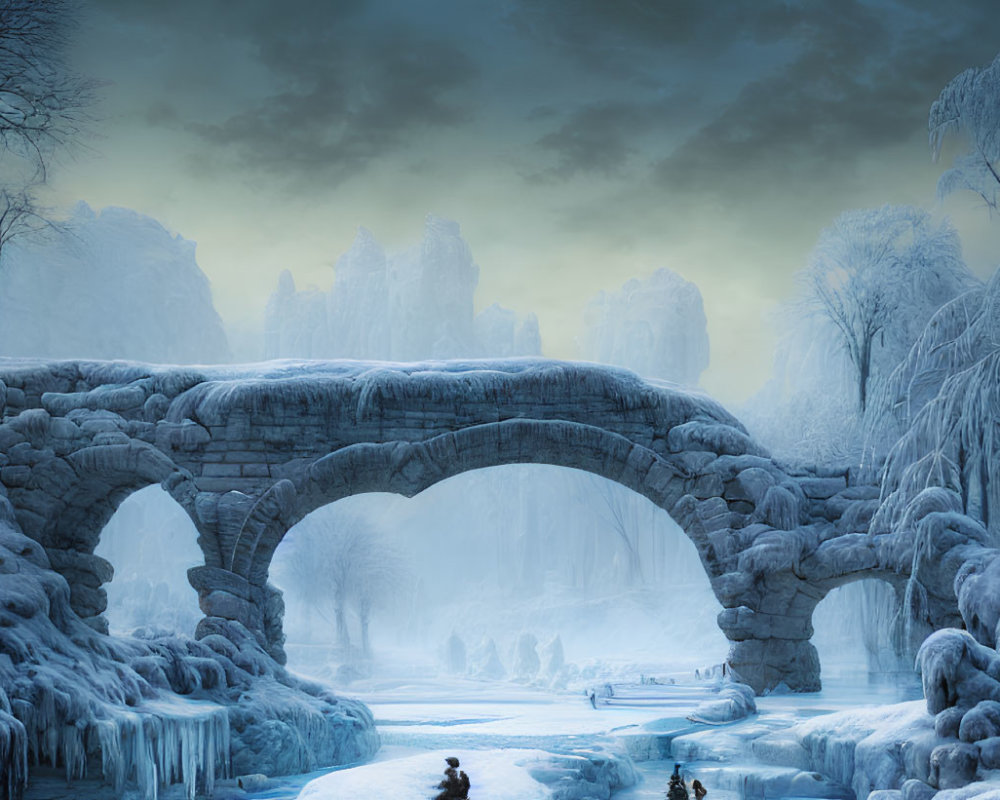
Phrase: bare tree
pixel 43 102
pixel 20 216
pixel 621 513
pixel 877 275
pixel 345 563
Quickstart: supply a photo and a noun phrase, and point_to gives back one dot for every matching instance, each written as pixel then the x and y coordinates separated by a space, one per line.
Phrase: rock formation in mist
pixel 654 326
pixel 112 284
pixel 417 304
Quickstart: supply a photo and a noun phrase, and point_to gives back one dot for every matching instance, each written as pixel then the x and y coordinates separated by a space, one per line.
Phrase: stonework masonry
pixel 249 451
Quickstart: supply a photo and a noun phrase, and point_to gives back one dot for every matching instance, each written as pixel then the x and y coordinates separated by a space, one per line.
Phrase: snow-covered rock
pixel 148 712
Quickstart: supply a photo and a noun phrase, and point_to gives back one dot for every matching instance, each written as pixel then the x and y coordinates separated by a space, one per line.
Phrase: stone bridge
pixel 248 451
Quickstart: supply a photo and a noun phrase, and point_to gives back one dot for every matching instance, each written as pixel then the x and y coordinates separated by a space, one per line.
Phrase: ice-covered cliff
pixel 655 326
pixel 408 306
pixel 108 284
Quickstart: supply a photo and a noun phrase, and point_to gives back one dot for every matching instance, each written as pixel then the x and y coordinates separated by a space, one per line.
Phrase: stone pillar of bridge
pixel 239 610
pixel 237 605
pixel 771 643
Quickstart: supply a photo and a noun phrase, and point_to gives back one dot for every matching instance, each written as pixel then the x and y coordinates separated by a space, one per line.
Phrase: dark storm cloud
pixel 611 37
pixel 864 79
pixel 844 79
pixel 337 87
pixel 595 138
pixel 704 97
pixel 340 109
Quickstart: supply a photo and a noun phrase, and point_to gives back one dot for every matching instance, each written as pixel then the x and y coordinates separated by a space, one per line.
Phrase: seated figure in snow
pixel 677 790
pixel 455 785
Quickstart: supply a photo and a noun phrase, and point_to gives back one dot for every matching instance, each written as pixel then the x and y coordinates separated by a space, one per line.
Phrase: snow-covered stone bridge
pixel 249 451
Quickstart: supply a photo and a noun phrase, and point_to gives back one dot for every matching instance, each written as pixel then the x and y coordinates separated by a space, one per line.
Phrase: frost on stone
pixel 735 701
pixel 147 712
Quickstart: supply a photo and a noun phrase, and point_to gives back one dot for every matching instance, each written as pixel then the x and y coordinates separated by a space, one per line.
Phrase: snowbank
pixel 512 774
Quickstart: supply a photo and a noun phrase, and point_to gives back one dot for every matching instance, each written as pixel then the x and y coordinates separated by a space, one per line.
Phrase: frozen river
pixel 503 734
pixel 521 743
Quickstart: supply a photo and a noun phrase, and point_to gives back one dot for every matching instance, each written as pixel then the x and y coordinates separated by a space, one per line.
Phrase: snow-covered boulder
pixel 149 711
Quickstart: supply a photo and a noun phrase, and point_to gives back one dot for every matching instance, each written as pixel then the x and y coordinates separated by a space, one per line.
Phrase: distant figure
pixel 593 699
pixel 699 790
pixel 455 785
pixel 677 790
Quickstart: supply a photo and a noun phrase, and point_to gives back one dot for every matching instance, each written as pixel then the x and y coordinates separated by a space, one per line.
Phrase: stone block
pixel 953 765
pixel 208 579
pixel 16 476
pixel 706 486
pixel 228 606
pixel 980 722
pixel 221 470
pixel 62 428
pixel 255 471
pixel 989 752
pixel 61 560
pixel 87 601
pixel 946 722
pixel 822 488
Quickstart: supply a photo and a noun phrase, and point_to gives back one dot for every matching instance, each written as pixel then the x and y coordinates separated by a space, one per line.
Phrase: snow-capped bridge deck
pixel 248 451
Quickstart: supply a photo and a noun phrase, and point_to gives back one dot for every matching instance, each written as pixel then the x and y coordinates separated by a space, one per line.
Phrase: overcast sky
pixel 578 142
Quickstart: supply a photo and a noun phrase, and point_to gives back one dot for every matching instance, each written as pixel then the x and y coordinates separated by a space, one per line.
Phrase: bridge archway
pixel 858 627
pixel 151 542
pixel 529 548
pixel 79 495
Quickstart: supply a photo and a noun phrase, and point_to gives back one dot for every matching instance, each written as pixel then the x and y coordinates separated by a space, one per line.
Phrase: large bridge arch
pixel 407 469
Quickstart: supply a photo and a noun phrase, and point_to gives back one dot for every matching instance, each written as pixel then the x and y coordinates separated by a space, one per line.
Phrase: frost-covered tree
pixel 970 106
pixel 944 399
pixel 343 563
pixel 875 277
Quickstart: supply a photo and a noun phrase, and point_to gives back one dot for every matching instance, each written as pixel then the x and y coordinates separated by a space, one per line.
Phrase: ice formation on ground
pixel 108 284
pixel 413 305
pixel 148 712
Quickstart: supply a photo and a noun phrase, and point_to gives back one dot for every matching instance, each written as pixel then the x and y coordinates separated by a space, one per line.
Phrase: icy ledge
pixel 147 712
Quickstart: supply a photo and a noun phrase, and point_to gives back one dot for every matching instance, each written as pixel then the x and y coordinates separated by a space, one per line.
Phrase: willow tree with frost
pixel 968 108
